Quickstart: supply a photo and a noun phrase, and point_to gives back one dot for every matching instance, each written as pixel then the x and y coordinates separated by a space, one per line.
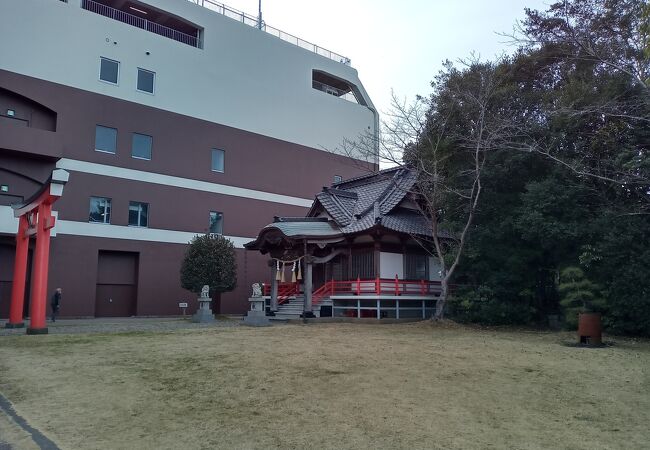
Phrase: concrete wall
pixel 242 77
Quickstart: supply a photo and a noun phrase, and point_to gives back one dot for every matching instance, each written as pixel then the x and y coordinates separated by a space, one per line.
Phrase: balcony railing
pixel 139 22
pixel 253 22
pixel 336 92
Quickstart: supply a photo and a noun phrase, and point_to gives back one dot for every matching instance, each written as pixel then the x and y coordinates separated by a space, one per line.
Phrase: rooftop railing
pixel 139 22
pixel 253 22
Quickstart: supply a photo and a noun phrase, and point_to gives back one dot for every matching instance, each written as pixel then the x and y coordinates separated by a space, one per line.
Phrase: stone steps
pixel 293 307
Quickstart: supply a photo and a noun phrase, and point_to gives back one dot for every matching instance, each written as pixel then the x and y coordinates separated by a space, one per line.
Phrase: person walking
pixel 55 303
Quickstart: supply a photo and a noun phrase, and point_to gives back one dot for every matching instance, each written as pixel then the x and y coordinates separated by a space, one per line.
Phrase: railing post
pixel 422 287
pixel 377 286
pixel 396 285
pixel 358 286
pixel 332 287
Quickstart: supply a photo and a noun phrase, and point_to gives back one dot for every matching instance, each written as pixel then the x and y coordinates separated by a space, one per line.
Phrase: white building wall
pixel 391 264
pixel 434 269
pixel 243 77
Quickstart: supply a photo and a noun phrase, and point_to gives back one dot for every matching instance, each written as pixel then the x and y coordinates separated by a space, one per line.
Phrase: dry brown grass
pixel 330 386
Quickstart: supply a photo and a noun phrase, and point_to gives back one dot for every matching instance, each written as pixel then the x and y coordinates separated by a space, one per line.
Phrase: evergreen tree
pixel 579 295
pixel 209 259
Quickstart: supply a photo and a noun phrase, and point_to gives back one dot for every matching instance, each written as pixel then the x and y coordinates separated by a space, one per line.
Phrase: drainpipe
pixel 376 134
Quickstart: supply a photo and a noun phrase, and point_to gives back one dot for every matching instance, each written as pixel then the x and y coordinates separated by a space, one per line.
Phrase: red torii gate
pixel 34 217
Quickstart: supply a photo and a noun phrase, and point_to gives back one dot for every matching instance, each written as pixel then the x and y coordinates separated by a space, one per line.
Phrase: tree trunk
pixel 442 300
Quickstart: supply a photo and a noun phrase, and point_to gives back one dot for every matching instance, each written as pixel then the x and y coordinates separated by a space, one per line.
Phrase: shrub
pixel 578 294
pixel 210 259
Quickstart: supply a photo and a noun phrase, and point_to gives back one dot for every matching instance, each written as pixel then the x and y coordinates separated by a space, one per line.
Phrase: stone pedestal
pixel 256 317
pixel 204 313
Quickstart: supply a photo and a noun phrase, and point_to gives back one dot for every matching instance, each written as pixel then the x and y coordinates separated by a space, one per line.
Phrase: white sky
pixel 397 45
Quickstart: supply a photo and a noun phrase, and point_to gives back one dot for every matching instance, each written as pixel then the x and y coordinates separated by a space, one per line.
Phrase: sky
pixel 397 45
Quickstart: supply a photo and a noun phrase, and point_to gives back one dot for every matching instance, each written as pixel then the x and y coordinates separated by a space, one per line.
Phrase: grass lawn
pixel 330 386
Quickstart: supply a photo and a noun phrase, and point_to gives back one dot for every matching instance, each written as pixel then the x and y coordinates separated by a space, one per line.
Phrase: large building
pixel 173 118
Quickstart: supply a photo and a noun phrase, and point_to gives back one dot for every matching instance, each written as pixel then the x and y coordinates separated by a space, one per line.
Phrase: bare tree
pixel 447 139
pixel 599 39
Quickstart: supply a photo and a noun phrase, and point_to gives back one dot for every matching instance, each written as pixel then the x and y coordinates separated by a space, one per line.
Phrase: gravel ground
pixel 122 325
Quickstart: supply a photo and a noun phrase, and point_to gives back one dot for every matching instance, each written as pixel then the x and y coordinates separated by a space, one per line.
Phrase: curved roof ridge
pixel 347 213
pixel 381 196
pixel 401 186
pixel 367 175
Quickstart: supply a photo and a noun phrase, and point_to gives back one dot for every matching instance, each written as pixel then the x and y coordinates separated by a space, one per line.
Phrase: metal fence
pixel 139 22
pixel 253 22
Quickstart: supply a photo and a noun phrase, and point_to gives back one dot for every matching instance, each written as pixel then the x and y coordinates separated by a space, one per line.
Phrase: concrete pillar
pixel 20 275
pixel 308 310
pixel 38 303
pixel 274 290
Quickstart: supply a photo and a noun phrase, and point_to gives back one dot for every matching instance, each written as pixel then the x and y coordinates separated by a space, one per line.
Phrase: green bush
pixel 210 259
pixel 481 305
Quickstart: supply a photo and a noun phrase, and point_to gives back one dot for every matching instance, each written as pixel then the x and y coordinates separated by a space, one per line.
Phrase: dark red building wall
pixel 181 144
pixel 73 267
pixel 182 148
pixel 170 208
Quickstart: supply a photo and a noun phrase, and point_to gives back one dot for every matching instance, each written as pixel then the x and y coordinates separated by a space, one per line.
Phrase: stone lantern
pixel 204 313
pixel 256 316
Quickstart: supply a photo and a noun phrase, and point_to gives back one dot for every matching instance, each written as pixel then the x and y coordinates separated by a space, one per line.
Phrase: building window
pixel 141 146
pixel 138 214
pixel 109 70
pixel 416 267
pixel 146 80
pixel 338 178
pixel 216 222
pixel 105 139
pixel 100 210
pixel 218 160
pixel 338 87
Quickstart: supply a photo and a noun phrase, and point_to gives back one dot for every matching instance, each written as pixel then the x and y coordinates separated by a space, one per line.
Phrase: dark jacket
pixel 56 300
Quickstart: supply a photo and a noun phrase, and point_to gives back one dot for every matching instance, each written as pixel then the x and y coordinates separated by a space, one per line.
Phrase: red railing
pixel 377 286
pixel 285 290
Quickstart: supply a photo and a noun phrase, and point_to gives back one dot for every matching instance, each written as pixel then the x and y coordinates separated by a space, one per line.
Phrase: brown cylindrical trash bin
pixel 589 329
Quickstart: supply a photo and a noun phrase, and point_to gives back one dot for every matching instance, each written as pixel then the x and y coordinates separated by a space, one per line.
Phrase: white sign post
pixel 183 306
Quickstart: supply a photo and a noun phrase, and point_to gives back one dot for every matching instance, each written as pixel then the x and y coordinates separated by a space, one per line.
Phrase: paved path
pixel 121 325
pixel 17 433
